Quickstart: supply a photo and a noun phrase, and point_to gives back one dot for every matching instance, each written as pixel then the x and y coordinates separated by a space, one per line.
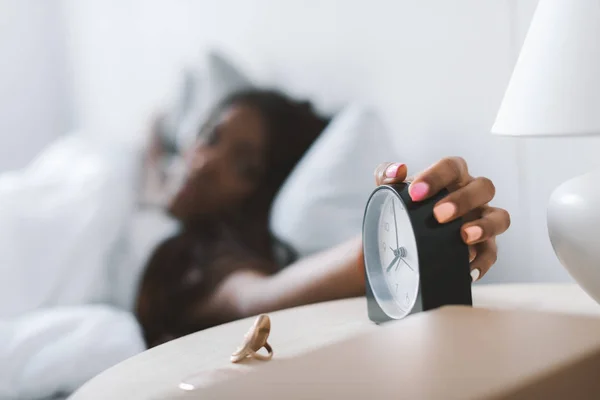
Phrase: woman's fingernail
pixel 418 191
pixel 473 233
pixel 472 253
pixel 392 170
pixel 475 275
pixel 444 211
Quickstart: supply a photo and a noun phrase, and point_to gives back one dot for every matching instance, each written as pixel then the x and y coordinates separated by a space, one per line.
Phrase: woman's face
pixel 225 166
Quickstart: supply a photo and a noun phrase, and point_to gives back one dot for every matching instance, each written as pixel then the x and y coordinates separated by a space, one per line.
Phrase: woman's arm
pixel 339 273
pixel 329 275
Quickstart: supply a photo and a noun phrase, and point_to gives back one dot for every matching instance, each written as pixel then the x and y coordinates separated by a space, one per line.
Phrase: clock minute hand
pixel 389 267
pixel 407 264
pixel 395 223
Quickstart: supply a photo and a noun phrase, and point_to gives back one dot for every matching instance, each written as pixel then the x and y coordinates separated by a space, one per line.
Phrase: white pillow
pixel 322 202
pixel 213 80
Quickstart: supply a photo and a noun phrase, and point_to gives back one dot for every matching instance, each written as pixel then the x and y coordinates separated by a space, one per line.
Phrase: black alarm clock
pixel 413 263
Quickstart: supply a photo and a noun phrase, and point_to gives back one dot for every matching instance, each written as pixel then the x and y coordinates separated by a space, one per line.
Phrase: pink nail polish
pixel 473 233
pixel 418 191
pixel 392 170
pixel 444 212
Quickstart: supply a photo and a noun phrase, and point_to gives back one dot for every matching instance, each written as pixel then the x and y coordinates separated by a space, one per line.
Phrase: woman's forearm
pixel 333 274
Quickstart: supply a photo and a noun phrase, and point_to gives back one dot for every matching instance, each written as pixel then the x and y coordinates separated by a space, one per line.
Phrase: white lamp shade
pixel 555 86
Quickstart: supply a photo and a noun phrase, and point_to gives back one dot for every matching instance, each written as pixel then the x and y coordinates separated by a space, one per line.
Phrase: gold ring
pixel 254 340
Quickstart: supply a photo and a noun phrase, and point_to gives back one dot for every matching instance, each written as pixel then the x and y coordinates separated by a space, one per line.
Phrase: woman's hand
pixel 468 198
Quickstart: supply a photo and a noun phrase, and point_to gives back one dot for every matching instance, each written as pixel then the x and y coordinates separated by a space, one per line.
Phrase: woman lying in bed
pixel 224 264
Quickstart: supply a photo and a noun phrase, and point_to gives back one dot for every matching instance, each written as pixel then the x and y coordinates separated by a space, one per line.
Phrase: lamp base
pixel 574 229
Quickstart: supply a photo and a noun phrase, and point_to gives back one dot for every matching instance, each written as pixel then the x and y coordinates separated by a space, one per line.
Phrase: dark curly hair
pixel 291 128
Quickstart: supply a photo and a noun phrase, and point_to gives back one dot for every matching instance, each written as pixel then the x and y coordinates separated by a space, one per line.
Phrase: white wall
pixel 34 98
pixel 436 69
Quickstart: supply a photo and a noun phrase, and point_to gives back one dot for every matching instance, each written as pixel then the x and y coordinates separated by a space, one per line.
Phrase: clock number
pixel 384 247
pixel 407 299
pixel 387 226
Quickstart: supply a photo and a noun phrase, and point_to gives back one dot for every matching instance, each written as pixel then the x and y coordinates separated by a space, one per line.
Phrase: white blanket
pixel 60 219
pixel 53 351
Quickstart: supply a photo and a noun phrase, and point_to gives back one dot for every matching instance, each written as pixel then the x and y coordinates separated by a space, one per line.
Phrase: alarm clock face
pixel 392 261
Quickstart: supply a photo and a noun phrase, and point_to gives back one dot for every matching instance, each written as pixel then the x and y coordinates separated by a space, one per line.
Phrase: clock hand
pixel 395 223
pixel 397 265
pixel 392 264
pixel 407 264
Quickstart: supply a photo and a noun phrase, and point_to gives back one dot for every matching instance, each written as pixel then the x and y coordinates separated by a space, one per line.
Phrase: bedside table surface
pixel 156 373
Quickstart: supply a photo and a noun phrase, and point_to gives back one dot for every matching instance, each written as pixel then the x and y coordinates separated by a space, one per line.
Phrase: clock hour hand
pixel 392 264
